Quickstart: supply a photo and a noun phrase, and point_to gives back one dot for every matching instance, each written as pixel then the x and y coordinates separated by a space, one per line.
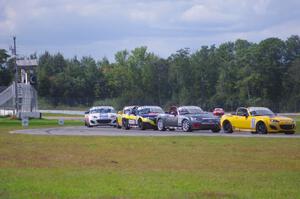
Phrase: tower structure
pixel 21 96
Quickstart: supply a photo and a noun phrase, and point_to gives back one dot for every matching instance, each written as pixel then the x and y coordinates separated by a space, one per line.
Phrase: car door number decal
pixel 132 122
pixel 253 123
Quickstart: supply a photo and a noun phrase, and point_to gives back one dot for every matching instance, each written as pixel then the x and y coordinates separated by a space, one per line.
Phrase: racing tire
pixel 161 125
pixel 186 126
pixel 171 129
pixel 216 130
pixel 125 124
pixel 261 128
pixel 227 127
pixel 118 126
pixel 141 125
pixel 87 124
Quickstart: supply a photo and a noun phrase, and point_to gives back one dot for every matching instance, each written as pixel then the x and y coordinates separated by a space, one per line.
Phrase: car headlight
pixel 274 121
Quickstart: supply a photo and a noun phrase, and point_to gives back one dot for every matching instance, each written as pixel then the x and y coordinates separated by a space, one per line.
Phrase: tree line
pixel 232 74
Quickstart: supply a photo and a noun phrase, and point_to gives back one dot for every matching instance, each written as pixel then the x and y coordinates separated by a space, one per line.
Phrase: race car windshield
pixel 151 110
pixel 190 111
pixel 103 110
pixel 261 111
pixel 156 110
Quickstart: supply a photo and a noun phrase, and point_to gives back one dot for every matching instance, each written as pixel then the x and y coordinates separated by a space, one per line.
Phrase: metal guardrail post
pixel 16 77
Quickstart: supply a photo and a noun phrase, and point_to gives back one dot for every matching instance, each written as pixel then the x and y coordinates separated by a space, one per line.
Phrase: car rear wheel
pixel 261 128
pixel 227 127
pixel 141 125
pixel 186 126
pixel 161 125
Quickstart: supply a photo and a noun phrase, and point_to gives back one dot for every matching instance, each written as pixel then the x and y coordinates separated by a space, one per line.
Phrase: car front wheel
pixel 216 130
pixel 161 125
pixel 186 126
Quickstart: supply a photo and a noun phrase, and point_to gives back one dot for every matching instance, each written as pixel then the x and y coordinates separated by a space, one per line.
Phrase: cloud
pixel 102 27
pixel 204 14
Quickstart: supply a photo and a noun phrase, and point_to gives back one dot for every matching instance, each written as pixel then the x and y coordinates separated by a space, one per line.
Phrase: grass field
pixel 145 167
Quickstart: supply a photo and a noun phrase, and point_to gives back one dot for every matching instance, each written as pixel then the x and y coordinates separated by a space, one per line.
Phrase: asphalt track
pixel 110 131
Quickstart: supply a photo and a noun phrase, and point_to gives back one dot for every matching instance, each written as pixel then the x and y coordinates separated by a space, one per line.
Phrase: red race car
pixel 218 112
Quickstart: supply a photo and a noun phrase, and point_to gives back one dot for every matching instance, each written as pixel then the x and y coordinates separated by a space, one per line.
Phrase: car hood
pixel 103 114
pixel 203 116
pixel 276 117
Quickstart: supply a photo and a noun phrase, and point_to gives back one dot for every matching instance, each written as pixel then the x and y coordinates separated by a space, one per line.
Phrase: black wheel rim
pixel 227 127
pixel 261 129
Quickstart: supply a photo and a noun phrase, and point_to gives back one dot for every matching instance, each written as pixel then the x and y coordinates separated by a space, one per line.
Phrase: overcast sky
pixel 101 28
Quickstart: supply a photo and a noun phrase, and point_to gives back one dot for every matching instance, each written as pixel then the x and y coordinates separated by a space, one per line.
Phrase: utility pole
pixel 16 76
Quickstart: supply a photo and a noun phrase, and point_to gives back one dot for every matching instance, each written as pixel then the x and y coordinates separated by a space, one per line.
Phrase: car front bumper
pixel 205 126
pixel 103 122
pixel 281 128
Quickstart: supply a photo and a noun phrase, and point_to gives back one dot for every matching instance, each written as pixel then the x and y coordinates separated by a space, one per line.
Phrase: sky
pixel 100 28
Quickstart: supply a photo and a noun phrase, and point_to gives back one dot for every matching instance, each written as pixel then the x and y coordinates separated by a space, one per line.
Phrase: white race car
pixel 100 115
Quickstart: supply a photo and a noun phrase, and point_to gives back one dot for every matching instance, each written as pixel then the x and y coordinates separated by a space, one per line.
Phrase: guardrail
pixel 67 112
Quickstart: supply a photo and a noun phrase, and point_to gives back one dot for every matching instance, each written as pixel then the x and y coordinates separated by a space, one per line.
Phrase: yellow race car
pixel 259 120
pixel 127 114
pixel 143 117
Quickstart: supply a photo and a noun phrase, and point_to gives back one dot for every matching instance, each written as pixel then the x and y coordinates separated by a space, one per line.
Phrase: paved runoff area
pixel 111 131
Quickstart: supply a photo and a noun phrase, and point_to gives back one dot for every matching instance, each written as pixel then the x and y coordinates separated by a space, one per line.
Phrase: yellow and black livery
pixel 142 117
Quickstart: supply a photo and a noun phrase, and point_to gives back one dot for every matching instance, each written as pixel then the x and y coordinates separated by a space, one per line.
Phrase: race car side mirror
pixel 246 114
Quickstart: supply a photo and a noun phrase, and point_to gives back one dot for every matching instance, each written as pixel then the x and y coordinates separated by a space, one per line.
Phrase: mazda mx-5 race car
pixel 259 120
pixel 128 112
pixel 100 115
pixel 143 117
pixel 218 112
pixel 188 118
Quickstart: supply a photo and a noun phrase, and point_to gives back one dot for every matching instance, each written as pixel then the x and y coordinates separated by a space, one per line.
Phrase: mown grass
pixel 7 123
pixel 145 167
